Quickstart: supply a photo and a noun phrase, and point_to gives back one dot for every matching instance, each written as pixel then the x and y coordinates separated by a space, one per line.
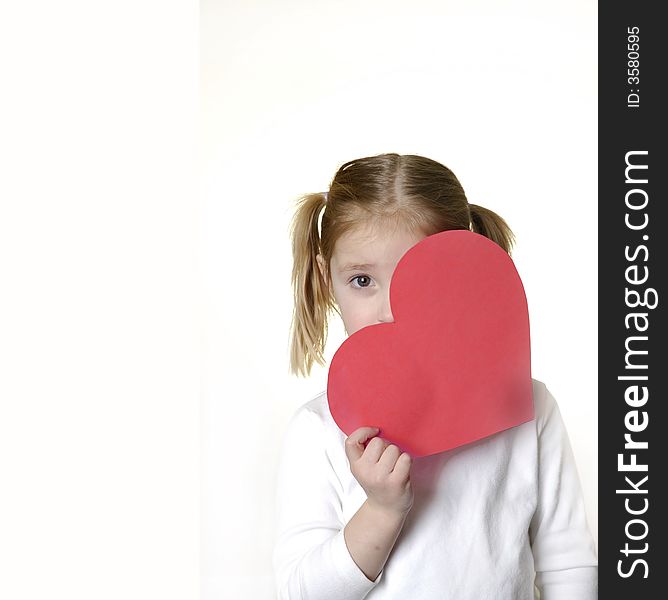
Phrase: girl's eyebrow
pixel 356 267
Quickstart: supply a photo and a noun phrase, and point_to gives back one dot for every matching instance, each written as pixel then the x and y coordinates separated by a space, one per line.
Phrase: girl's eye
pixel 364 283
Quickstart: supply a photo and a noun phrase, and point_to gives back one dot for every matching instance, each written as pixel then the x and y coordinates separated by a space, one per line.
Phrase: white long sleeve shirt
pixel 488 519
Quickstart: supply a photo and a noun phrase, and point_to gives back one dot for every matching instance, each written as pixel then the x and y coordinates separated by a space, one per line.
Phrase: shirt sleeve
pixel 311 560
pixel 564 554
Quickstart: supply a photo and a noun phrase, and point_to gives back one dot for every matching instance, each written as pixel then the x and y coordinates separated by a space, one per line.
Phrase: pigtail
pixel 488 223
pixel 311 291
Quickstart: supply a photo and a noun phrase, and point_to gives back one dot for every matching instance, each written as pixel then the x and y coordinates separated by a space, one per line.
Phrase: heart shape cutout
pixel 455 364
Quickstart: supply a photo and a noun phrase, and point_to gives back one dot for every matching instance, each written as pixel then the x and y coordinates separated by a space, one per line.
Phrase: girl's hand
pixel 381 469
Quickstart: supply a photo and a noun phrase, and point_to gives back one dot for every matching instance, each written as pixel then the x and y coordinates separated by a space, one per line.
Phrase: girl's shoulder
pixel 540 394
pixel 314 415
pixel 318 404
pixel 317 407
pixel 545 404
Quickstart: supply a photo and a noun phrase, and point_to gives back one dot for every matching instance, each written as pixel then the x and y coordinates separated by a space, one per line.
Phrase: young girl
pixel 356 517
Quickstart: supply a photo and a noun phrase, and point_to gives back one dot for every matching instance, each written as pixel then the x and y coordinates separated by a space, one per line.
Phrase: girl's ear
pixel 323 271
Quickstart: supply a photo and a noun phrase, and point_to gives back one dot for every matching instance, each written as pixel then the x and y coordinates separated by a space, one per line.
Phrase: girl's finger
pixel 402 467
pixel 355 441
pixel 389 458
pixel 374 450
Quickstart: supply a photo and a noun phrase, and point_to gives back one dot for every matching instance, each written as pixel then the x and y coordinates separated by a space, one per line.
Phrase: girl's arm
pixel 564 555
pixel 383 471
pixel 370 536
pixel 311 558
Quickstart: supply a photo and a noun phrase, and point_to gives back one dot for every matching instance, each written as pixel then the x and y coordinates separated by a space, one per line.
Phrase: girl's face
pixel 361 270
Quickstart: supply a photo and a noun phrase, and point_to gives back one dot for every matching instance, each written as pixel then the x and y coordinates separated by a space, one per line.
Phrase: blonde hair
pixel 417 192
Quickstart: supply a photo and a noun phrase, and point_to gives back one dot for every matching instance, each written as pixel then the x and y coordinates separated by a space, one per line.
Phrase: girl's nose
pixel 385 313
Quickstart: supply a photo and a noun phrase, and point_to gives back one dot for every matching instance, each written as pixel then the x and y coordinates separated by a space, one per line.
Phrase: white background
pixel 502 93
pixel 99 301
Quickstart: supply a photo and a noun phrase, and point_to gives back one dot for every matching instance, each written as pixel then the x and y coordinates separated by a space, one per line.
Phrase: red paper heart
pixel 455 365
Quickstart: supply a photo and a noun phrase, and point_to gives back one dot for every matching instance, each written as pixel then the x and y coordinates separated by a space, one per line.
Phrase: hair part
pixel 386 190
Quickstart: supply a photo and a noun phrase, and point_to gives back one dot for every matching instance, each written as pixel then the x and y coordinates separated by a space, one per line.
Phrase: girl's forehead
pixel 374 231
pixel 368 244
